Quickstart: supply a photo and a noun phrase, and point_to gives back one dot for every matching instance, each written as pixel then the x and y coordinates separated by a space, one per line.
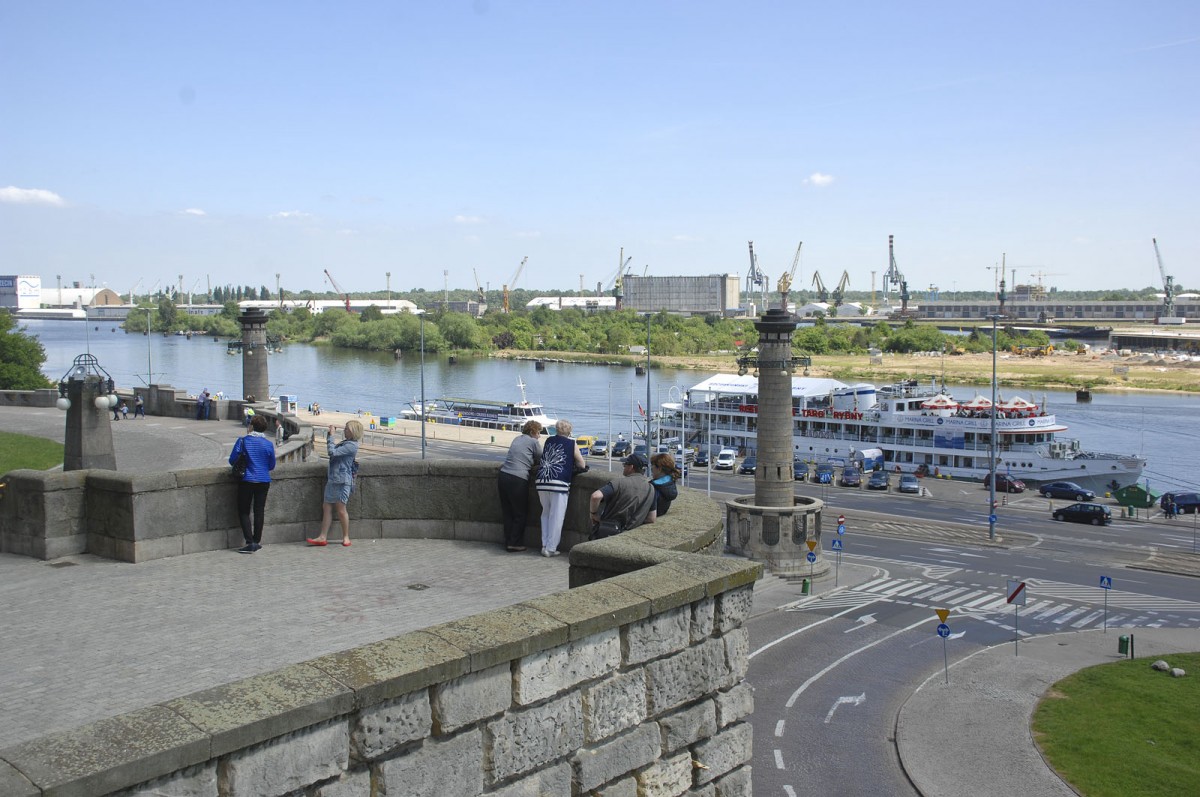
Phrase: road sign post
pixel 811 556
pixel 1016 596
pixel 943 631
pixel 837 547
pixel 1106 585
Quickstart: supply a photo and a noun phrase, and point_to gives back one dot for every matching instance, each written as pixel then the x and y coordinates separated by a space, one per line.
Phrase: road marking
pixel 1091 618
pixel 778 759
pixel 863 622
pixel 796 695
pixel 855 700
pixel 791 634
pixel 790 791
pixel 779 728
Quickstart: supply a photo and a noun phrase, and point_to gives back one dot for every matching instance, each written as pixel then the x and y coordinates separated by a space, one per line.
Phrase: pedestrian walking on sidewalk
pixel 139 407
pixel 524 456
pixel 255 482
pixel 340 483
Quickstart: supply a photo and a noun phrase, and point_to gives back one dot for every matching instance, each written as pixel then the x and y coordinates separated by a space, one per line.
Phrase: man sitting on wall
pixel 628 502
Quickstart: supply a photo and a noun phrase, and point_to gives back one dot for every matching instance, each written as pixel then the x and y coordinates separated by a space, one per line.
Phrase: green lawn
pixel 23 451
pixel 1124 730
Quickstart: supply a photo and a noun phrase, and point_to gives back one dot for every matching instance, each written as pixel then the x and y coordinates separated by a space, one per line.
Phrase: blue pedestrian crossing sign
pixel 811 557
pixel 837 544
pixel 943 630
pixel 1105 582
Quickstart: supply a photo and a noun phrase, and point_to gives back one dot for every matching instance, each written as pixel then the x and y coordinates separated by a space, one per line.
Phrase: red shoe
pixel 313 541
pixel 346 543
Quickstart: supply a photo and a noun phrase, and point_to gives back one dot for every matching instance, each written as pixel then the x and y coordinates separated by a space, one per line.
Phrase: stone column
pixel 254 354
pixel 88 441
pixel 773 484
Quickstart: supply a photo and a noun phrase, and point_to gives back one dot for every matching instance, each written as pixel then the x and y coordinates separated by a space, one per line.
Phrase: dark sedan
pixel 1005 484
pixel 1185 503
pixel 748 465
pixel 799 470
pixel 878 480
pixel 1068 490
pixel 622 448
pixel 701 459
pixel 851 477
pixel 1084 513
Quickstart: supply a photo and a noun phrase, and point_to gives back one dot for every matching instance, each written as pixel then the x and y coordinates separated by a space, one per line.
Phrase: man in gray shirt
pixel 628 502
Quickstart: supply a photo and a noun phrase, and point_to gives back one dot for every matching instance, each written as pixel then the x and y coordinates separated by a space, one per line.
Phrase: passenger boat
pixel 906 426
pixel 481 413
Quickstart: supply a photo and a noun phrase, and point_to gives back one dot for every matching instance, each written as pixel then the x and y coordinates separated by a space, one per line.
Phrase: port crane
pixel 513 282
pixel 616 282
pixel 839 292
pixel 479 292
pixel 892 278
pixel 1168 284
pixel 755 278
pixel 819 284
pixel 339 290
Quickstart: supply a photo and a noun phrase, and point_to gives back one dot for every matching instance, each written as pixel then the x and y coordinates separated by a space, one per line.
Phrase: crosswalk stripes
pixel 1064 605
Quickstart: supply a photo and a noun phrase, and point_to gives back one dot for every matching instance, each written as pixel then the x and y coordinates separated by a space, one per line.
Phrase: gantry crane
pixel 513 282
pixel 479 292
pixel 617 281
pixel 822 294
pixel 338 288
pixel 755 278
pixel 892 278
pixel 840 291
pixel 1168 285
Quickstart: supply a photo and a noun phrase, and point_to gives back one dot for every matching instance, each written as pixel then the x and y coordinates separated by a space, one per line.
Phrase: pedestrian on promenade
pixel 340 482
pixel 561 460
pixel 117 410
pixel 248 415
pixel 524 456
pixel 254 484
pixel 628 502
pixel 139 407
pixel 202 405
pixel 663 475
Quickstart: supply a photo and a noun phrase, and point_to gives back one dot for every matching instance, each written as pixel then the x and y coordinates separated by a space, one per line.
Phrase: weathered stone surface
pixel 734 705
pixel 614 704
pixel 351 784
pixel 381 729
pixel 1178 672
pixel 501 635
pixel 663 587
pixel 657 635
pixel 737 654
pixel 14 784
pixel 666 777
pixel 1160 665
pixel 703 612
pixel 111 754
pixel 471 698
pixel 737 783
pixel 263 707
pixel 549 672
pixel 436 768
pixel 593 608
pixel 617 757
pixel 719 574
pixel 707 790
pixel 625 787
pixel 292 762
pixel 199 781
pixel 682 728
pixel 687 676
pixel 524 740
pixel 393 667
pixel 733 608
pixel 552 781
pixel 728 750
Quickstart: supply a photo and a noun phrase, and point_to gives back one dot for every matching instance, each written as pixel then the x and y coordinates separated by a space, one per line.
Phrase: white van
pixel 725 459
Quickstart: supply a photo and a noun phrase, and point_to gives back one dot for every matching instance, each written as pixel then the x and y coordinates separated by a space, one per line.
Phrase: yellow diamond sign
pixel 942 614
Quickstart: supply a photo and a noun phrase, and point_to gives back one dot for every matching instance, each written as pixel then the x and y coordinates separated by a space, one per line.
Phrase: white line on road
pixel 779 728
pixel 863 622
pixel 791 634
pixel 778 759
pixel 796 695
pixel 790 791
pixel 852 699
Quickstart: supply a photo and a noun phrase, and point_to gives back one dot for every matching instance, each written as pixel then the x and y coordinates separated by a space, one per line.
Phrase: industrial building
pixel 1186 306
pixel 708 295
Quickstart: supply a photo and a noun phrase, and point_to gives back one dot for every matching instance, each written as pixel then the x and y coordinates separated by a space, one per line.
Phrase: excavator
pixel 513 282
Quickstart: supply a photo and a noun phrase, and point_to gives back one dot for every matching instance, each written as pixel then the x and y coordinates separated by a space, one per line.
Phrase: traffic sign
pixel 841 528
pixel 1016 592
pixel 841 520
pixel 1105 582
pixel 812 544
pixel 942 614
pixel 811 557
pixel 992 518
pixel 943 630
pixel 837 544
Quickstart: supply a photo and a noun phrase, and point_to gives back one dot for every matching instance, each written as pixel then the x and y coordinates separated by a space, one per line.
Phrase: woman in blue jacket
pixel 254 484
pixel 340 482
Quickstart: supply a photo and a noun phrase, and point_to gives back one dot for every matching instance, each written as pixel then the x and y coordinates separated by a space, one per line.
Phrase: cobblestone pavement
pixel 86 638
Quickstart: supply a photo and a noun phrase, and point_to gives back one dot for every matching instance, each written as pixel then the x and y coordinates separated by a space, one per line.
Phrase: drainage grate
pixel 418 586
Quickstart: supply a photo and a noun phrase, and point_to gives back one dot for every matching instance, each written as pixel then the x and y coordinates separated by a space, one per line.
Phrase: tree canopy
pixel 21 357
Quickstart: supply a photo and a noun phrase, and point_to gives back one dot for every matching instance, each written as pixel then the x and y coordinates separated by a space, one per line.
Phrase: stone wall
pixel 631 683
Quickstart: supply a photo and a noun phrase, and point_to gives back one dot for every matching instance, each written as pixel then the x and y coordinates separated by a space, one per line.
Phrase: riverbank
pixel 1060 371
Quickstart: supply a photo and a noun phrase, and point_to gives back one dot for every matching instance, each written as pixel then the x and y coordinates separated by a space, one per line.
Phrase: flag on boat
pixel 641 411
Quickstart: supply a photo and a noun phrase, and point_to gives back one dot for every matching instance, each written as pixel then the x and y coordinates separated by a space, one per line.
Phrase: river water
pixel 599 400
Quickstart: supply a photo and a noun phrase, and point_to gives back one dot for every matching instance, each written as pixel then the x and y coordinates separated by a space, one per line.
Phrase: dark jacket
pixel 665 491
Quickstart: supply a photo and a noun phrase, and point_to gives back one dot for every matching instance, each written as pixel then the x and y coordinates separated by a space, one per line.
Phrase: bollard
pixel 493 438
pixel 1123 645
pixel 804 587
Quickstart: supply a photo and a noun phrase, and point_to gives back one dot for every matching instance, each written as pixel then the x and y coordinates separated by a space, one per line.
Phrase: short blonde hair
pixel 563 427
pixel 354 430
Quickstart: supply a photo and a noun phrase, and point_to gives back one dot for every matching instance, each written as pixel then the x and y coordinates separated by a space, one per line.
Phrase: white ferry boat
pixel 481 413
pixel 907 426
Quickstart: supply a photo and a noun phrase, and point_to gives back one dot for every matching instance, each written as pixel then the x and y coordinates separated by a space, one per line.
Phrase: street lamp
pixel 992 443
pixel 423 409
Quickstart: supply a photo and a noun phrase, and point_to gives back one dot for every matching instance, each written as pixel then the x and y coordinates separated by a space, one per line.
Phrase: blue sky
pixel 228 142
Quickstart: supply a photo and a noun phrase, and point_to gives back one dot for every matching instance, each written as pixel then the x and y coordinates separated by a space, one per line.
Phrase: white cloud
pixel 30 196
pixel 818 179
pixel 461 219
pixel 193 212
pixel 527 234
pixel 291 214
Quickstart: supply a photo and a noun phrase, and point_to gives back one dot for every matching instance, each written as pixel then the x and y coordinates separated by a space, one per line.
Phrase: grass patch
pixel 23 451
pixel 1124 730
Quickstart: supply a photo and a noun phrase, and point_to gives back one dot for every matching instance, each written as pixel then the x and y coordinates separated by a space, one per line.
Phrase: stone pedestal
pixel 777 536
pixel 254 355
pixel 88 441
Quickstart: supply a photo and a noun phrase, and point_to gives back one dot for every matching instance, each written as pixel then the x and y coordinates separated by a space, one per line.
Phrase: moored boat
pixel 912 427
pixel 481 413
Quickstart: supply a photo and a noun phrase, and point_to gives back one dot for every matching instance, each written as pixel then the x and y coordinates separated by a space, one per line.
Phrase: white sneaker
pixel 551 553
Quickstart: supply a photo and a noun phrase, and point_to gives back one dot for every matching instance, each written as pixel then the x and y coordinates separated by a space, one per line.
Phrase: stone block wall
pixel 630 684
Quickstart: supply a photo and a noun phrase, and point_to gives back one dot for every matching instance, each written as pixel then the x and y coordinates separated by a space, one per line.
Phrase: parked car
pixel 799 470
pixel 909 484
pixel 1005 483
pixel 622 448
pixel 725 459
pixel 851 477
pixel 1069 490
pixel 1095 514
pixel 701 459
pixel 878 480
pixel 748 465
pixel 824 474
pixel 584 443
pixel 1185 503
pixel 599 448
pixel 640 450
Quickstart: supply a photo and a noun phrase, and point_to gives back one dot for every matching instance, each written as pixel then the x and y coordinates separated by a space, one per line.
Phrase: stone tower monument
pixel 254 355
pixel 86 394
